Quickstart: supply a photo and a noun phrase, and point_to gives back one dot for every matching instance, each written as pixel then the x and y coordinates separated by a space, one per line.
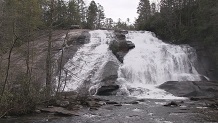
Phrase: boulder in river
pixel 108 77
pixel 107 90
pixel 200 89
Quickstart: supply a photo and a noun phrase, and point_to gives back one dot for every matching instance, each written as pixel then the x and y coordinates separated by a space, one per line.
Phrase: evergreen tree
pixel 74 13
pixel 100 16
pixel 92 15
pixel 82 12
pixel 108 24
pixel 144 11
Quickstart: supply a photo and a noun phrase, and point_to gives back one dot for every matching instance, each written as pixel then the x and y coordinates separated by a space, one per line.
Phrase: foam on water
pixel 153 62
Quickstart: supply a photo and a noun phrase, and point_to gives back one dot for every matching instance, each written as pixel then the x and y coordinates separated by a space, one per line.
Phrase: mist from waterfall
pixel 153 62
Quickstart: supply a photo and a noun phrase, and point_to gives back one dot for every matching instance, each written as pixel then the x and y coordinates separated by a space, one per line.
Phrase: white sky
pixel 120 8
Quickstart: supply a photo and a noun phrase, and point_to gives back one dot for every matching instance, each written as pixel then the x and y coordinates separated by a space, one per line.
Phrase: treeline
pixel 27 17
pixel 180 21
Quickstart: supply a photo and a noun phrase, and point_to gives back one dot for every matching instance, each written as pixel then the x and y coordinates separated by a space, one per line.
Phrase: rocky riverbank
pixel 121 109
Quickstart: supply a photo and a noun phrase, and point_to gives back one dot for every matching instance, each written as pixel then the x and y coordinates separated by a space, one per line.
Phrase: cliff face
pixel 76 38
pixel 207 59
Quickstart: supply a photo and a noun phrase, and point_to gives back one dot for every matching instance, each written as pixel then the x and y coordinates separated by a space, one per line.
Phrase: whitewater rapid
pixel 153 62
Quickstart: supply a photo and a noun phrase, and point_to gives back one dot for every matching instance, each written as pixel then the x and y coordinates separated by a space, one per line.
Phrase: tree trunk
pixel 49 58
pixel 15 38
pixel 61 62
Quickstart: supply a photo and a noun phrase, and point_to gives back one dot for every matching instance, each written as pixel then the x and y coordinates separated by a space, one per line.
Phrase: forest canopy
pixel 180 20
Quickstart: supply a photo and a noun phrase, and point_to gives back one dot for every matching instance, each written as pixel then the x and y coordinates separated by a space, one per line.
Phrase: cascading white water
pixel 88 60
pixel 153 62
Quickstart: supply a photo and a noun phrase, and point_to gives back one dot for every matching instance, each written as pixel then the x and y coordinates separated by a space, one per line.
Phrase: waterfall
pixel 153 62
pixel 88 60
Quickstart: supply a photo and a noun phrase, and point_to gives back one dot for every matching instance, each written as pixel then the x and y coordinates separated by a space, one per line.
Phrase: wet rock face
pixel 108 90
pixel 199 89
pixel 108 85
pixel 207 61
pixel 73 44
pixel 120 47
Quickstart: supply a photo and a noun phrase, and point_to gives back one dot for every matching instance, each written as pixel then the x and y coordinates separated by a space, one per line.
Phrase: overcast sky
pixel 120 8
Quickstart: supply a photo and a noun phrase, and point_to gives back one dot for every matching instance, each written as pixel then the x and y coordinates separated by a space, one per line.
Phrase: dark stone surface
pixel 130 45
pixel 120 48
pixel 107 90
pixel 207 63
pixel 201 89
pixel 108 85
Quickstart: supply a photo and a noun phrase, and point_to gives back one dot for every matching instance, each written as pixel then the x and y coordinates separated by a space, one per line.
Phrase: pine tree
pixel 92 15
pixel 144 11
pixel 74 13
pixel 100 16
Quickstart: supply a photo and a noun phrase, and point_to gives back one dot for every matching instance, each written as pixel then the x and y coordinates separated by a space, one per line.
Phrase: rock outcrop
pixel 120 47
pixel 207 62
pixel 73 44
pixel 108 77
pixel 196 89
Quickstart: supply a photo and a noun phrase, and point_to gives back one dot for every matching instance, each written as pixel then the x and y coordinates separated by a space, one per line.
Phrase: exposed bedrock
pixel 120 47
pixel 73 44
pixel 108 83
pixel 207 59
pixel 196 89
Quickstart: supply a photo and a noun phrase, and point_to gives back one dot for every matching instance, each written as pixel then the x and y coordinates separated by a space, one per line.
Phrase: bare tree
pixel 15 38
pixel 61 62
